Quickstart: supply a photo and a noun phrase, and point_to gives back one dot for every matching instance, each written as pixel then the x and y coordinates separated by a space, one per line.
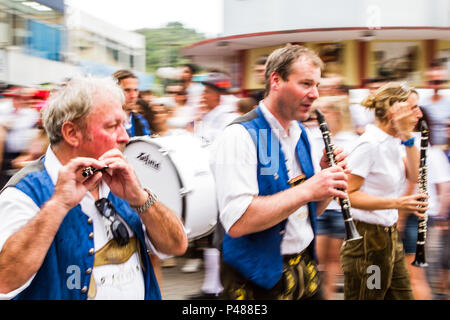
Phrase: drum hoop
pixel 180 181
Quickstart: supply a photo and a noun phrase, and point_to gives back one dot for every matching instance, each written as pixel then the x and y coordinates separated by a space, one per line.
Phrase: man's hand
pixel 340 158
pixel 71 186
pixel 121 178
pixel 330 182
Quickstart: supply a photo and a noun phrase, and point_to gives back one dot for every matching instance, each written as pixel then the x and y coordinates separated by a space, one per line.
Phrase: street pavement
pixel 177 285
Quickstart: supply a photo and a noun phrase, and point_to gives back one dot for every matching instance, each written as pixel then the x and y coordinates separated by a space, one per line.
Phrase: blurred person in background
pixel 156 115
pixel 180 114
pixel 17 128
pixel 408 222
pixel 193 89
pixel 379 171
pixel 136 125
pixel 40 143
pixel 213 120
pixel 447 147
pixel 160 111
pixel 146 95
pixel 438 188
pixel 217 108
pixel 437 107
pixel 330 225
pixel 246 105
pixel 259 70
pixel 362 116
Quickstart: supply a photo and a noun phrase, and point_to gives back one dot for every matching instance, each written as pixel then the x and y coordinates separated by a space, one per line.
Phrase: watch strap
pixel 150 200
pixel 409 142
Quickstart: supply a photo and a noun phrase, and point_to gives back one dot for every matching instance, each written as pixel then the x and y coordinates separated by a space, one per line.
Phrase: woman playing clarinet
pixel 374 266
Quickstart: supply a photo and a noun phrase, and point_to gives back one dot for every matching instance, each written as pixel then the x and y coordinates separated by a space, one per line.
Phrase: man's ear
pixel 71 133
pixel 275 80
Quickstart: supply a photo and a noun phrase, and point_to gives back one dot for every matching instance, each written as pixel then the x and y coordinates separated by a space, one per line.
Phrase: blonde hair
pixel 385 97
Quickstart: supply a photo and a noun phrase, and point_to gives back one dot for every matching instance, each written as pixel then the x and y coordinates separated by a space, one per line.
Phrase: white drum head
pixel 177 169
pixel 156 171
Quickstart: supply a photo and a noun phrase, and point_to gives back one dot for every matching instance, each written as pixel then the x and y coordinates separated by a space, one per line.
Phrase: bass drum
pixel 176 168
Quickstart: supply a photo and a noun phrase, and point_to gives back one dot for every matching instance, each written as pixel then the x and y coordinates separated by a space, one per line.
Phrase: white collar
pixel 379 134
pixel 52 165
pixel 293 129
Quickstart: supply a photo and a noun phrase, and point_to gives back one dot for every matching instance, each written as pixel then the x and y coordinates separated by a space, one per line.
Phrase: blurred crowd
pixel 206 107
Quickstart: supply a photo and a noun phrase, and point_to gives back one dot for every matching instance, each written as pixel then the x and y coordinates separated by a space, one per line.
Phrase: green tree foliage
pixel 163 45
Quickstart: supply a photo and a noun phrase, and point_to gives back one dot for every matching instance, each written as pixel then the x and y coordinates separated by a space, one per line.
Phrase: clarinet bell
pixel 419 260
pixel 350 231
pixel 419 264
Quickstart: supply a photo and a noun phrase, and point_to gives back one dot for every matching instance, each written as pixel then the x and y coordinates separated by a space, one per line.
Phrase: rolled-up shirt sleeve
pixel 16 210
pixel 360 160
pixel 234 165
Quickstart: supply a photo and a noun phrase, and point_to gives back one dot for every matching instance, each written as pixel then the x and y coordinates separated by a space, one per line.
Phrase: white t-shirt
pixel 117 281
pixel 344 139
pixel 214 122
pixel 21 127
pixel 377 158
pixel 234 166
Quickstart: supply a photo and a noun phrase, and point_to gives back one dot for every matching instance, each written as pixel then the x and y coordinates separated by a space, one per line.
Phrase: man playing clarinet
pixel 268 192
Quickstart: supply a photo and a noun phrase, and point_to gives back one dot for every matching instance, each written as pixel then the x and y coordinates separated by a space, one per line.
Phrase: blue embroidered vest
pixel 70 249
pixel 257 256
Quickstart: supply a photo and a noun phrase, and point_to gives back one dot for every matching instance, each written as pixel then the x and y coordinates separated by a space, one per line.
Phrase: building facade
pixel 46 41
pixel 33 42
pixel 357 39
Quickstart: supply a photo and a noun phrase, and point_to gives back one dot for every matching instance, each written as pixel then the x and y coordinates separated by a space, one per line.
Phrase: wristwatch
pixel 409 142
pixel 151 199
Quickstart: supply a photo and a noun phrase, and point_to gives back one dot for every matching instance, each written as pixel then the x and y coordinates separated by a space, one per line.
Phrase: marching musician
pixel 217 111
pixel 374 267
pixel 268 246
pixel 135 124
pixel 65 236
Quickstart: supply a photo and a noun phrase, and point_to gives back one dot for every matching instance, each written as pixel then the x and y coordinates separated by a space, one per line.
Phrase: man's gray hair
pixel 74 102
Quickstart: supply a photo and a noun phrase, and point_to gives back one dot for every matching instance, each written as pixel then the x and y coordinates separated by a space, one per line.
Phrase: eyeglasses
pixel 118 229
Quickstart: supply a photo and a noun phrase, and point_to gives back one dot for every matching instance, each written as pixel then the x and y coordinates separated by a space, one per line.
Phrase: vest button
pixel 91 251
pixel 90 220
pixel 84 289
pixel 91 235
pixel 89 271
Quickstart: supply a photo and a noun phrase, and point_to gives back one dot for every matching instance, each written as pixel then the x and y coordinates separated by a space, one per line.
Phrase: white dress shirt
pixel 116 281
pixel 378 159
pixel 234 166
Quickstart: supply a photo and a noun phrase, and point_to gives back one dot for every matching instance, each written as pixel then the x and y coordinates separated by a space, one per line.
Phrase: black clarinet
pixel 350 229
pixel 419 260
